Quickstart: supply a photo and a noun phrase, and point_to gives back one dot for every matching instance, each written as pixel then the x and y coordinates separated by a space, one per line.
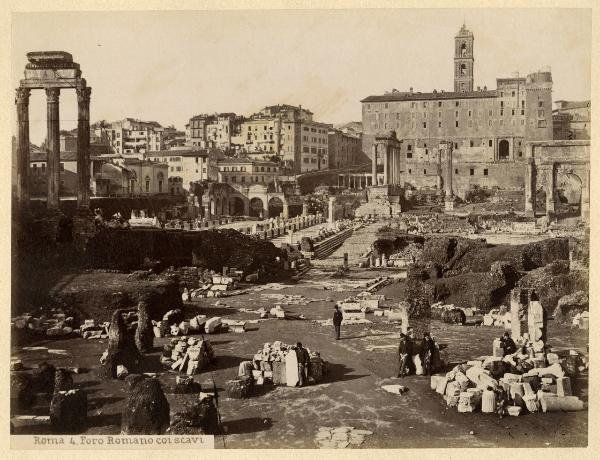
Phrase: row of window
pixel 233 179
pixel 243 169
pixel 424 104
pixel 314 160
pixel 316 140
pixel 423 125
pixel 471 171
pixel 315 150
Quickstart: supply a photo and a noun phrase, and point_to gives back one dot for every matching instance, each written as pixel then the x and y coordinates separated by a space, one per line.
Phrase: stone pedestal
pixel 449 205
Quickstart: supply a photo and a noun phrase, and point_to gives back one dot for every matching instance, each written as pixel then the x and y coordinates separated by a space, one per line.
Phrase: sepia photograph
pixel 271 228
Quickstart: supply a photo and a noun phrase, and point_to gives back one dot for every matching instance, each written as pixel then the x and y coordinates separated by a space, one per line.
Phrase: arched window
pixel 463 49
pixel 463 70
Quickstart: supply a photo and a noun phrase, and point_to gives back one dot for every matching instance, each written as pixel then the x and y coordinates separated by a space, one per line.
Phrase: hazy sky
pixel 169 66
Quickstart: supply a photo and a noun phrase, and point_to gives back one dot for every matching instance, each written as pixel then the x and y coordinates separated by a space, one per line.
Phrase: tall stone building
pixel 488 128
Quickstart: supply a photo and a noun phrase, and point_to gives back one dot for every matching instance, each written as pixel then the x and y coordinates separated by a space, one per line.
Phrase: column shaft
pixel 53 147
pixel 530 188
pixel 386 168
pixel 550 204
pixel 374 164
pixel 83 148
pixel 22 102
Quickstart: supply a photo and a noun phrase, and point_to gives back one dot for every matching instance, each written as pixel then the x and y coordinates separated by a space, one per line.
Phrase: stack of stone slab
pixel 188 355
pixel 498 317
pixel 91 330
pixel 218 286
pixel 269 364
pixel 55 325
pixel 532 382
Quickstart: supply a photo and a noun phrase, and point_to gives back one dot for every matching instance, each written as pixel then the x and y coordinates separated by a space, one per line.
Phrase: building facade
pixel 247 171
pixel 212 131
pixel 488 128
pixel 286 131
pixel 572 120
pixel 344 149
pixel 185 166
pixel 132 137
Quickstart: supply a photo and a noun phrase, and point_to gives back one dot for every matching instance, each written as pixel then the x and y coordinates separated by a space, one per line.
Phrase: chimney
pixel 411 90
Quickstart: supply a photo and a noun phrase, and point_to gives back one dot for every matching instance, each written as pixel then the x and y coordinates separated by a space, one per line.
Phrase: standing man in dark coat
pixel 402 356
pixel 337 321
pixel 427 348
pixel 303 364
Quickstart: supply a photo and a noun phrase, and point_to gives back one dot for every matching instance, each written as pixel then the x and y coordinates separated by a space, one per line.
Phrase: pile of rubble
pixel 173 324
pixel 269 364
pixel 187 354
pixel 498 317
pixel 57 324
pixel 455 315
pixel 217 286
pixel 525 381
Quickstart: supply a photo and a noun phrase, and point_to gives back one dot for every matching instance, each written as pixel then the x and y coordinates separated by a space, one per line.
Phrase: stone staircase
pixel 326 247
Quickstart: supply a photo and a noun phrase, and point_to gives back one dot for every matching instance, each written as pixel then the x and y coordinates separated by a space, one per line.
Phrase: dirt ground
pixel 351 393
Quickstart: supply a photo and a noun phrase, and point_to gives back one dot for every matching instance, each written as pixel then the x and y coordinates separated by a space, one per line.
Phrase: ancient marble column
pixel 305 209
pixel 83 148
pixel 286 210
pixel 386 167
pixel 530 187
pixel 374 164
pixel 22 102
pixel 53 147
pixel 449 199
pixel 550 181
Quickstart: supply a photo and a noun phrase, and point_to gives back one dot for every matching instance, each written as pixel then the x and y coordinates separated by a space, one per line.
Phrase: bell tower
pixel 463 60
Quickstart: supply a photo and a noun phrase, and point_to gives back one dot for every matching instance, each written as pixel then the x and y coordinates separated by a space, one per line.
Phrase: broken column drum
pixel 53 71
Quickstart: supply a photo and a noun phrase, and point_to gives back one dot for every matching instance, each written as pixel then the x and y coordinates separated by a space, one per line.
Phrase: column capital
pixel 83 95
pixel 52 94
pixel 22 95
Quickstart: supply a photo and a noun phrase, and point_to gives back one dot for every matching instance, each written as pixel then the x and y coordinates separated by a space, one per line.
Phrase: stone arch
pixel 503 150
pixel 463 49
pixel 256 207
pixel 236 206
pixel 275 206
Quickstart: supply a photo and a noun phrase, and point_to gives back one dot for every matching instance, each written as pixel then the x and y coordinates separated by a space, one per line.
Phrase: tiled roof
pixel 40 155
pixel 177 153
pixel 394 97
